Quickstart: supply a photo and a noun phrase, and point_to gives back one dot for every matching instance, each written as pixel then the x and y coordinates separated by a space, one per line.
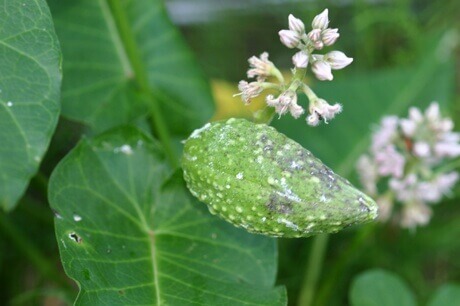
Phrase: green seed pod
pixel 258 179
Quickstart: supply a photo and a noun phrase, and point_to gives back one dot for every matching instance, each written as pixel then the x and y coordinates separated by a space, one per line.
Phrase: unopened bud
pixel 296 25
pixel 289 38
pixel 329 36
pixel 314 35
pixel 322 71
pixel 300 59
pixel 321 21
pixel 337 60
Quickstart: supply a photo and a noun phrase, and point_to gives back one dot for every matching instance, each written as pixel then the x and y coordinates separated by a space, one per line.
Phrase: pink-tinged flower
pixel 296 25
pixel 290 39
pixel 321 110
pixel 433 191
pixel 426 140
pixel 249 91
pixel 415 214
pixel 329 36
pixel 285 102
pixel 260 67
pixel 300 60
pixel 389 161
pixel 405 189
pixel 368 175
pixel 447 148
pixel 385 204
pixel 322 70
pixel 321 21
pixel 337 59
pixel 386 133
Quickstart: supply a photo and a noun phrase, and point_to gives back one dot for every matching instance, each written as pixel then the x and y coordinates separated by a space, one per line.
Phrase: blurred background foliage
pixel 406 53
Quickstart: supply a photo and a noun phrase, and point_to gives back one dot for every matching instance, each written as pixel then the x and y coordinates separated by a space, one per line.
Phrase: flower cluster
pixel 261 69
pixel 316 39
pixel 410 154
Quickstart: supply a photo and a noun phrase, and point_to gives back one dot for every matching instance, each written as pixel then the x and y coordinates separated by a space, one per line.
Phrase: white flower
pixel 408 127
pixel 296 25
pixel 313 119
pixel 329 36
pixel 421 149
pixel 415 115
pixel 337 59
pixel 321 21
pixel 389 161
pixel 322 70
pixel 285 102
pixel 415 214
pixel 368 174
pixel 432 113
pixel 321 110
pixel 249 91
pixel 290 39
pixel 260 67
pixel 300 59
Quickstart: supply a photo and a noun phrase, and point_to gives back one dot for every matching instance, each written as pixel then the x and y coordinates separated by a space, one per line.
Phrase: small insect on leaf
pixel 258 179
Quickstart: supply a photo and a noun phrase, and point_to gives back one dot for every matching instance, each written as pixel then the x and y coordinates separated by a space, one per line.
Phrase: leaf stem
pixel 314 266
pixel 40 261
pixel 141 77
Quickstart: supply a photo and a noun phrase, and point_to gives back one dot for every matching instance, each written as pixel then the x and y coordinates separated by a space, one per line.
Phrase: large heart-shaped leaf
pixel 29 92
pixel 128 239
pixel 380 288
pixel 366 98
pixel 109 57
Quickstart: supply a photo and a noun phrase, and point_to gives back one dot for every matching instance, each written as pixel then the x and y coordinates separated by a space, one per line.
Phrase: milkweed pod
pixel 258 179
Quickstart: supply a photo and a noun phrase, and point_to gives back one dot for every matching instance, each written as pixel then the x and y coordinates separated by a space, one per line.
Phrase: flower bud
pixel 329 36
pixel 296 25
pixel 337 59
pixel 321 21
pixel 300 59
pixel 314 35
pixel 322 71
pixel 289 38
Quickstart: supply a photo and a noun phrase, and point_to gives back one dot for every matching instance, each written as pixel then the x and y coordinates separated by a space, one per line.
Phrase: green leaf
pixel 366 99
pixel 380 288
pixel 30 80
pixel 113 73
pixel 127 238
pixel 447 295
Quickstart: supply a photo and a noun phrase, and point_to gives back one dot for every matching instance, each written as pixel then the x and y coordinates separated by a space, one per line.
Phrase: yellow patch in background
pixel 228 106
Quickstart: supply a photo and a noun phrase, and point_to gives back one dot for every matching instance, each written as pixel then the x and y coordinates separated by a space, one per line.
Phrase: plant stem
pixel 141 77
pixel 41 263
pixel 339 265
pixel 314 266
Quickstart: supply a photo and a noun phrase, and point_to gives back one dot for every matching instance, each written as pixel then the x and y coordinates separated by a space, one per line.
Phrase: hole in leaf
pixel 75 237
